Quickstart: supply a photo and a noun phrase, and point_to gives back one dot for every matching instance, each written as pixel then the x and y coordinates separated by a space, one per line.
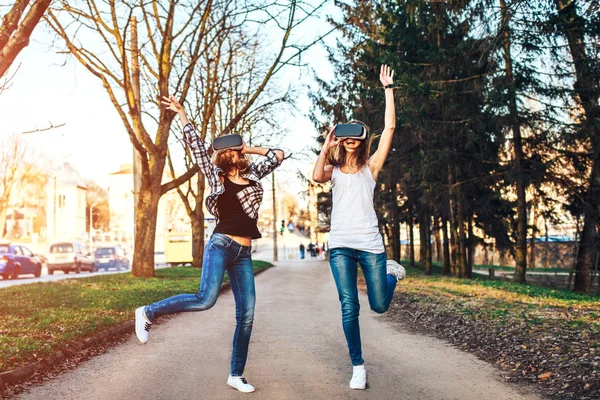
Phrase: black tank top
pixel 233 220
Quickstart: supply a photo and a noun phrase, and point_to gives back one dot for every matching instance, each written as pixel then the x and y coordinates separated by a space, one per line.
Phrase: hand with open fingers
pixel 330 140
pixel 171 103
pixel 386 76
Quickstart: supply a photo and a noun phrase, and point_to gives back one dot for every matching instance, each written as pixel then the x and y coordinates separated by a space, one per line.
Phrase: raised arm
pixel 272 160
pixel 322 172
pixel 376 161
pixel 193 141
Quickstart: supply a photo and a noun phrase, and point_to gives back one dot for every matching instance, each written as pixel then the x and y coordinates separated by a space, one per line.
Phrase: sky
pixel 50 89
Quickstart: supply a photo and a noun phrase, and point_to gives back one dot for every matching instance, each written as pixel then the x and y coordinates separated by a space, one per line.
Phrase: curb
pixel 25 372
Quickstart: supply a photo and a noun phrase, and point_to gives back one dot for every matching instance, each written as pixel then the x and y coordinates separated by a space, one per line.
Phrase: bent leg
pixel 241 277
pixel 213 270
pixel 343 267
pixel 380 285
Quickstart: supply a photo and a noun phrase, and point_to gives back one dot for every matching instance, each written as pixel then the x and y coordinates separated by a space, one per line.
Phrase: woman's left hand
pixel 386 76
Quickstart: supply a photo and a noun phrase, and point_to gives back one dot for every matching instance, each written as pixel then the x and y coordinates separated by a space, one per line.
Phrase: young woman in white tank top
pixel 354 237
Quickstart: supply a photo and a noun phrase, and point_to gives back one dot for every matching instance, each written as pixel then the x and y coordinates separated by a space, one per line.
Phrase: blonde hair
pixel 336 156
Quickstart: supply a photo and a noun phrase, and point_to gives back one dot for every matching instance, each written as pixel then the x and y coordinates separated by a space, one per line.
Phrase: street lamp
pixel 91 217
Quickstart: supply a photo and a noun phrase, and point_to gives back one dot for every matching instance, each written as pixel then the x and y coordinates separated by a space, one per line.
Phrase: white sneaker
pixel 393 268
pixel 240 384
pixel 142 325
pixel 359 377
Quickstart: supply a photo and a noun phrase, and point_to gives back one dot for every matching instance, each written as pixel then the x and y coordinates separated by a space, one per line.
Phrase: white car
pixel 67 257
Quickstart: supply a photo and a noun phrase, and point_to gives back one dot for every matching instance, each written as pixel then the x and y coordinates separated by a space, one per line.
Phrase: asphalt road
pixel 297 351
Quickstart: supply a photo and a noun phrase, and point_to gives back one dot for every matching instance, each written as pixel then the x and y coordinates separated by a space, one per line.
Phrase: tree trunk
pixel 454 241
pixel 586 87
pixel 470 248
pixel 197 237
pixel 425 239
pixel 521 250
pixel 462 238
pixel 437 239
pixel 395 238
pixel 532 245
pixel 546 245
pixel 411 246
pixel 446 268
pixel 458 216
pixel 15 32
pixel 145 227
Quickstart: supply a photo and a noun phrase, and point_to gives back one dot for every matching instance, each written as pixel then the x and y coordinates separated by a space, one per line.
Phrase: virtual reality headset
pixel 233 142
pixel 350 131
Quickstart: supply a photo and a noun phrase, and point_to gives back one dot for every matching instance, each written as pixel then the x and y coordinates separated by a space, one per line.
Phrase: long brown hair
pixel 337 155
pixel 222 162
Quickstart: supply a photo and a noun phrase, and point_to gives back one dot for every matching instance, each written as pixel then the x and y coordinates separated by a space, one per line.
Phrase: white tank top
pixel 353 219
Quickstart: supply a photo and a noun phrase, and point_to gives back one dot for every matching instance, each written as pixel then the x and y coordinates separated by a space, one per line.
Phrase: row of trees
pixel 218 57
pixel 497 118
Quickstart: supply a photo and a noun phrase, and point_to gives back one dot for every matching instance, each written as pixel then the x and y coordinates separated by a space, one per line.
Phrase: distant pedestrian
pixel 234 200
pixel 354 236
pixel 302 249
pixel 311 250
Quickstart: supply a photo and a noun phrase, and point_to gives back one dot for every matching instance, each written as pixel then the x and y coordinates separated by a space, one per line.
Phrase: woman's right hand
pixel 330 140
pixel 172 104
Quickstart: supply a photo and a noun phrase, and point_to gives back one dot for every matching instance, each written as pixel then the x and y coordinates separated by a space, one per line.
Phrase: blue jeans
pixel 221 253
pixel 380 290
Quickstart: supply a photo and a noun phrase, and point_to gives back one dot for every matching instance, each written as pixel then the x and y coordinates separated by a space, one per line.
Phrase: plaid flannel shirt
pixel 250 197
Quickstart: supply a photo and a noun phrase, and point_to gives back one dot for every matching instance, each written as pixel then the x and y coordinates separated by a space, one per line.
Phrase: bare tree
pixel 234 94
pixel 17 26
pixel 139 68
pixel 98 196
pixel 13 150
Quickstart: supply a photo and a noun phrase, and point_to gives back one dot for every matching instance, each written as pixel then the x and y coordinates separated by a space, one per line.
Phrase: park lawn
pixel 535 334
pixel 437 268
pixel 39 319
pixel 508 303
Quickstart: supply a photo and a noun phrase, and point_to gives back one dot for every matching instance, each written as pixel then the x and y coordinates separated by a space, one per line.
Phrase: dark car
pixel 16 259
pixel 110 257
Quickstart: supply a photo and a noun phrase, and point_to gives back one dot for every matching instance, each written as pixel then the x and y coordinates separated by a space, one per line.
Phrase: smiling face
pixel 351 145
pixel 350 150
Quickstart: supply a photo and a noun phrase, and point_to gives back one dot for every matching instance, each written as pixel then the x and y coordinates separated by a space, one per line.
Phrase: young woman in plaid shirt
pixel 354 236
pixel 235 197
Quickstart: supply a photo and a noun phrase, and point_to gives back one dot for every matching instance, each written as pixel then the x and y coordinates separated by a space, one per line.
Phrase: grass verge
pixel 535 334
pixel 39 319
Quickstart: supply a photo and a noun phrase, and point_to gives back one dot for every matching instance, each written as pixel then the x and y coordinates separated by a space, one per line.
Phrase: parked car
pixel 69 256
pixel 110 257
pixel 16 259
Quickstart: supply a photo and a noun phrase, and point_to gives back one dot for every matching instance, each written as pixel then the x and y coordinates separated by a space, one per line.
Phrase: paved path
pixel 297 352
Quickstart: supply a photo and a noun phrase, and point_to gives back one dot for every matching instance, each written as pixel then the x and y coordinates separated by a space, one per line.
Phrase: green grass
pixel 538 308
pixel 507 268
pixel 437 268
pixel 533 291
pixel 40 318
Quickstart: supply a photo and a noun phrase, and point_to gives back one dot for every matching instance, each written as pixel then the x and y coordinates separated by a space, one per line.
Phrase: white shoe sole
pixel 243 390
pixel 240 390
pixel 359 387
pixel 140 332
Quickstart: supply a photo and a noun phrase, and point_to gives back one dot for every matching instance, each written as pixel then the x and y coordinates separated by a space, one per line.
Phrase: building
pixel 170 215
pixel 66 204
pixel 121 203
